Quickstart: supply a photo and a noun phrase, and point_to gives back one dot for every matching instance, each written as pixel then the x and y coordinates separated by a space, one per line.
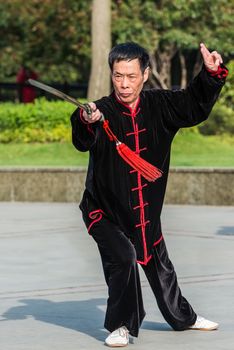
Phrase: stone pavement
pixel 53 293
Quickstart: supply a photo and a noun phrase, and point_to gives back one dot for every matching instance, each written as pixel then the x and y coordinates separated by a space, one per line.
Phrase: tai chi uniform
pixel 122 210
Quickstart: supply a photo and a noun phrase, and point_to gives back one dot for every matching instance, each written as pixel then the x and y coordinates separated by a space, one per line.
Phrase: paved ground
pixel 53 293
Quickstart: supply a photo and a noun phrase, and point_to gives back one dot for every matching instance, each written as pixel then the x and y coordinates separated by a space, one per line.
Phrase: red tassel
pixel 147 170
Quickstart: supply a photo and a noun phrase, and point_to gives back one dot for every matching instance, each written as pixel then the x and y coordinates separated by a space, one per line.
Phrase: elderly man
pixel 120 208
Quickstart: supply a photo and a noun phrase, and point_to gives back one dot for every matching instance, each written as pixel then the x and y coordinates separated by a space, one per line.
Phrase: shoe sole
pixel 116 345
pixel 205 329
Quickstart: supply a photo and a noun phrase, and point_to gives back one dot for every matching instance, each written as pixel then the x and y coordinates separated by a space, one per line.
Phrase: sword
pixel 147 170
pixel 85 106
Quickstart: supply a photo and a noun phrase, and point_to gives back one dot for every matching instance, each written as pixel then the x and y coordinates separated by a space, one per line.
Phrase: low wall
pixel 210 186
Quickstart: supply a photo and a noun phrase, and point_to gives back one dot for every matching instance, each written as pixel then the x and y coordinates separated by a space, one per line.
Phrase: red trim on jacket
pixel 221 73
pixel 139 188
pixel 149 258
pixel 136 133
pixel 127 106
pixel 133 112
pixel 95 215
pixel 158 241
pixel 145 262
pixel 140 185
pixel 138 206
pixel 88 125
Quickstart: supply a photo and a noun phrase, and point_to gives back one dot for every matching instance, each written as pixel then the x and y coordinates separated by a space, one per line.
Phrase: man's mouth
pixel 125 94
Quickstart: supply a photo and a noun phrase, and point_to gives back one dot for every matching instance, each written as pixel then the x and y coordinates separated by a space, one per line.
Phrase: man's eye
pixel 118 77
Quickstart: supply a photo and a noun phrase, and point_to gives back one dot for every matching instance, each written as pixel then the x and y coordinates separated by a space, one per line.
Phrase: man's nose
pixel 124 82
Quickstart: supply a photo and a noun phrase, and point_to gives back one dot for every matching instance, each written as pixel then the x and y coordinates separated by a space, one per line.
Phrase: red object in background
pixel 26 93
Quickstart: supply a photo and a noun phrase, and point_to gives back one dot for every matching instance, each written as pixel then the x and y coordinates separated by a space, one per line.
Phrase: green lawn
pixel 188 149
pixel 192 149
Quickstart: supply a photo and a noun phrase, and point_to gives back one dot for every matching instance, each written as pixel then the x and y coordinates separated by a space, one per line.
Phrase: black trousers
pixel 125 304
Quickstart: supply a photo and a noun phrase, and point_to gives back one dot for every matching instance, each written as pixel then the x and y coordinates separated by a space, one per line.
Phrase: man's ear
pixel 146 74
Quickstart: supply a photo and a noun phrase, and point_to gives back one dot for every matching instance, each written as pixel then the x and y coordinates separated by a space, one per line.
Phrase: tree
pixel 52 36
pixel 99 82
pixel 174 29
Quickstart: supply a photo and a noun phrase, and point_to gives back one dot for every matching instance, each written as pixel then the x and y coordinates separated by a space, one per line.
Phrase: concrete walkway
pixel 53 293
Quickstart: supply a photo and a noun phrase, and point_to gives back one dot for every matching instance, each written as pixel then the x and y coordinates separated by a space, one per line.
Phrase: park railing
pixel 10 91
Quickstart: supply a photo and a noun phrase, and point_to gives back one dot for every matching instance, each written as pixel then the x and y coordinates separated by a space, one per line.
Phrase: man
pixel 121 209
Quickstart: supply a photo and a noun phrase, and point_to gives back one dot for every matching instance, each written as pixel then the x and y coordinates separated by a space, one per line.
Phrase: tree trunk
pixel 183 82
pixel 155 78
pixel 161 67
pixel 99 82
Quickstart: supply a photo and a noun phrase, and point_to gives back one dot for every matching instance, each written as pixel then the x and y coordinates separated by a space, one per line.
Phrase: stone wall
pixel 210 186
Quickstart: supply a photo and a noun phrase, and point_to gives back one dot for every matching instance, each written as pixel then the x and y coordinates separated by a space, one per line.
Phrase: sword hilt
pixel 89 111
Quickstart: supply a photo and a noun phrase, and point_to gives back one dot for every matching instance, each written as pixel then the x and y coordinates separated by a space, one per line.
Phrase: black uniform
pixel 122 210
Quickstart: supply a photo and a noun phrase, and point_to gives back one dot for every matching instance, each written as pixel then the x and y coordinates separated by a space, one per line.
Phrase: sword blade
pixel 85 106
pixel 58 93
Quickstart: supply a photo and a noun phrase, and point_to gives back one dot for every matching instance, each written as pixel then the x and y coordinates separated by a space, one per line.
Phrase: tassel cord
pixel 147 170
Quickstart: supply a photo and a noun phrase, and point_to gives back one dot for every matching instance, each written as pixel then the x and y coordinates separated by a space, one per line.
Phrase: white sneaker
pixel 118 338
pixel 202 324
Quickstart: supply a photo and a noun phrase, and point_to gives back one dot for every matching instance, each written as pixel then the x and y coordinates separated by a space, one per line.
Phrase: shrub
pixel 221 119
pixel 42 121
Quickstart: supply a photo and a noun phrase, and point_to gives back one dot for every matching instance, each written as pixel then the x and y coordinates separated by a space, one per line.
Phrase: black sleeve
pixel 191 106
pixel 84 135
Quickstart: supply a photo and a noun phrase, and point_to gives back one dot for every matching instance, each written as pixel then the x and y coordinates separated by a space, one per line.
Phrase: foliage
pixel 42 121
pixel 53 36
pixel 50 36
pixel 227 97
pixel 221 119
pixel 169 28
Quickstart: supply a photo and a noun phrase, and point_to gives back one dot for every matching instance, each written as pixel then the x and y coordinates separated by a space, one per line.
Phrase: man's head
pixel 128 52
pixel 129 64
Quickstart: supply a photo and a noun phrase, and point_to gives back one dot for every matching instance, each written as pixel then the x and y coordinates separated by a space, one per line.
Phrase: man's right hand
pixel 95 116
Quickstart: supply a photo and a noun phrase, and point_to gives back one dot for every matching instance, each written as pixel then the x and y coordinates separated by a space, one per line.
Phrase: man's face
pixel 128 80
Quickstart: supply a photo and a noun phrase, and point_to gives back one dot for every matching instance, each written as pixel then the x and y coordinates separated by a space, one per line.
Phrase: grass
pixel 40 154
pixel 189 149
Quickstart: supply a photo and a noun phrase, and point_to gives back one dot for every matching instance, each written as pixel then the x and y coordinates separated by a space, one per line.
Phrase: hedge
pixel 220 121
pixel 49 121
pixel 42 121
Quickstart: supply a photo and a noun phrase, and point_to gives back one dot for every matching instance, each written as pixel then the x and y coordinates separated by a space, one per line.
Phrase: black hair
pixel 127 52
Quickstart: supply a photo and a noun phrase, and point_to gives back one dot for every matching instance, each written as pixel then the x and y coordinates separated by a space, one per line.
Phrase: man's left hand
pixel 212 60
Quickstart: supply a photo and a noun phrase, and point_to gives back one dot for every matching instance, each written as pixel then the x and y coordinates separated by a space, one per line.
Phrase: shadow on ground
pixel 85 316
pixel 226 231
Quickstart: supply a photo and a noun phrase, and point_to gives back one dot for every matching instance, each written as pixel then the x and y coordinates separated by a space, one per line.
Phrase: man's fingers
pixel 93 106
pixel 204 50
pixel 217 62
pixel 212 60
pixel 216 56
pixel 95 115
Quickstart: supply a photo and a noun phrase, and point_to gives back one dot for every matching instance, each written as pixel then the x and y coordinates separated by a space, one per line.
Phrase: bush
pixel 220 121
pixel 42 121
pixel 49 121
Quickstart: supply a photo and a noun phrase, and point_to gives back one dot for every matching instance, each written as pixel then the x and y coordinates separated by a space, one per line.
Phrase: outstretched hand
pixel 95 116
pixel 212 60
